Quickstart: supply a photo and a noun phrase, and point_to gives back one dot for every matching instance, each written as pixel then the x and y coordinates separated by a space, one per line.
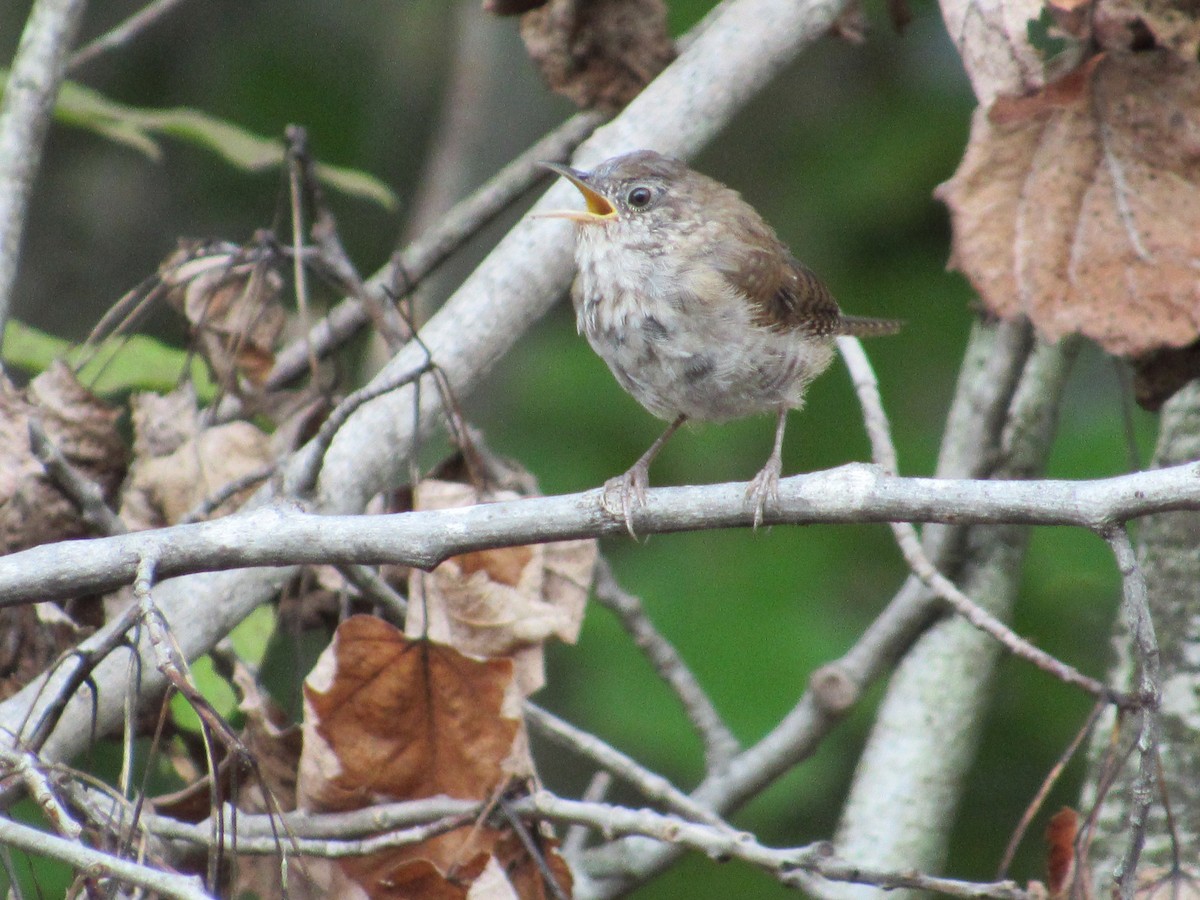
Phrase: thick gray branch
pixel 853 493
pixel 37 71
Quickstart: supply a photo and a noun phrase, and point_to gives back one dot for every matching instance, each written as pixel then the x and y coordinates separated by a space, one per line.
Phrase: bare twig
pixel 122 33
pixel 80 490
pixel 412 264
pixel 1136 608
pixel 1048 782
pixel 25 766
pixel 651 785
pixel 884 454
pixel 97 862
pixel 230 489
pixel 720 745
pixel 300 482
pixel 28 99
pixel 377 590
pixel 577 834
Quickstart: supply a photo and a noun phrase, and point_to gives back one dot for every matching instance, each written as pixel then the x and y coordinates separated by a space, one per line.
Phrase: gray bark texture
pixel 1169 551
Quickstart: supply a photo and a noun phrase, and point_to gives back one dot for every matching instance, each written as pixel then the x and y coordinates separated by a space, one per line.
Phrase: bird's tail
pixel 861 326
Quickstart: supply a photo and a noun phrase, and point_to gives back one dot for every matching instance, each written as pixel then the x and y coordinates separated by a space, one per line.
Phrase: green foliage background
pixel 841 154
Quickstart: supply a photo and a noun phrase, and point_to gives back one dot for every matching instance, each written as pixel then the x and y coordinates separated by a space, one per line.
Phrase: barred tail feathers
pixel 862 326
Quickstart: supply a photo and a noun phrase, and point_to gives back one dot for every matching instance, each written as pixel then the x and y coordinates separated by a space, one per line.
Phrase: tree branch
pixel 28 101
pixel 854 493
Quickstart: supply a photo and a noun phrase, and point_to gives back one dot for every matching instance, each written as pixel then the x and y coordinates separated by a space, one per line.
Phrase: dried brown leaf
pixel 387 718
pixel 32 510
pixel 1080 206
pixel 599 54
pixel 29 643
pixel 503 602
pixel 1060 851
pixel 163 489
pixel 163 422
pixel 231 299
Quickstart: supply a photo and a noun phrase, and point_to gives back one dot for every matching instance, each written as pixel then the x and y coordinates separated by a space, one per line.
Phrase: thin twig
pixel 577 835
pixel 377 590
pixel 301 482
pixel 1136 608
pixel 720 746
pixel 97 862
pixel 650 784
pixel 122 33
pixel 84 493
pixel 411 265
pixel 1048 783
pixel 209 504
pixel 26 766
pixel 884 453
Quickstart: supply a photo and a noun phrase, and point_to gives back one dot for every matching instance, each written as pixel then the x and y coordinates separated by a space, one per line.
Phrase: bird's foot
pixel 627 493
pixel 764 488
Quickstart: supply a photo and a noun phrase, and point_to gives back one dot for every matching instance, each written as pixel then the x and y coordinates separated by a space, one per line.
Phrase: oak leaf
pixel 388 718
pixel 1079 206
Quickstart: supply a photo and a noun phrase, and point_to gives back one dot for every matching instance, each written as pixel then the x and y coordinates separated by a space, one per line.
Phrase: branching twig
pixel 97 862
pixel 80 490
pixel 122 33
pixel 720 745
pixel 1044 791
pixel 411 265
pixel 651 785
pixel 1136 608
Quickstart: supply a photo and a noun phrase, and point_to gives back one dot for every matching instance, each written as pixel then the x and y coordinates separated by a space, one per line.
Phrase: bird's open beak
pixel 598 209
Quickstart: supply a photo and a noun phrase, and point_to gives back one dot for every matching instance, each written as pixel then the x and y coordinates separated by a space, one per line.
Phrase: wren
pixel 699 310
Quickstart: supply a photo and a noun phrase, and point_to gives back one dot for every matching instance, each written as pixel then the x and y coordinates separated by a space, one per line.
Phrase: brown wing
pixel 785 294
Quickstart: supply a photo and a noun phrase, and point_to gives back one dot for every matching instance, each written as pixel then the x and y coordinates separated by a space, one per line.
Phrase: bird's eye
pixel 639 197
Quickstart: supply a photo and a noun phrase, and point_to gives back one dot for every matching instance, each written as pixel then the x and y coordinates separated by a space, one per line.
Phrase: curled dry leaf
pixel 503 602
pixel 231 298
pixel 598 54
pixel 33 510
pixel 385 719
pixel 161 489
pixel 1079 206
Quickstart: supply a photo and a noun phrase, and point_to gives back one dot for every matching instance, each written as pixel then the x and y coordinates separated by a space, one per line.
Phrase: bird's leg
pixel 630 488
pixel 765 485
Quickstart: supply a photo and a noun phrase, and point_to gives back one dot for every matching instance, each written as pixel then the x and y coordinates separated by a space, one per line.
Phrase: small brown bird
pixel 699 310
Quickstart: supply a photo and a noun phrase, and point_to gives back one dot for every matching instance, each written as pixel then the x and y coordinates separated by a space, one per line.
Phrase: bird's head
pixel 640 187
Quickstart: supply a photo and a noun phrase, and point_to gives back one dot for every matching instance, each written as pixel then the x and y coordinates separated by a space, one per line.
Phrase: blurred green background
pixel 841 154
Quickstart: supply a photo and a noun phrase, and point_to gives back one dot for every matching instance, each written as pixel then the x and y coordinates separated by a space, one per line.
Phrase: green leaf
pixel 116 366
pixel 251 637
pixel 215 689
pixel 137 128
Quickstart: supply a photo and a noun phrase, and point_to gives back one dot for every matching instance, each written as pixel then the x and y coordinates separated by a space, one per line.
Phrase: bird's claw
pixel 625 494
pixel 763 489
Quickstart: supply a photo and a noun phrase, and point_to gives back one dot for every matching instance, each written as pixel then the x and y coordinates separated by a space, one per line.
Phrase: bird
pixel 699 309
